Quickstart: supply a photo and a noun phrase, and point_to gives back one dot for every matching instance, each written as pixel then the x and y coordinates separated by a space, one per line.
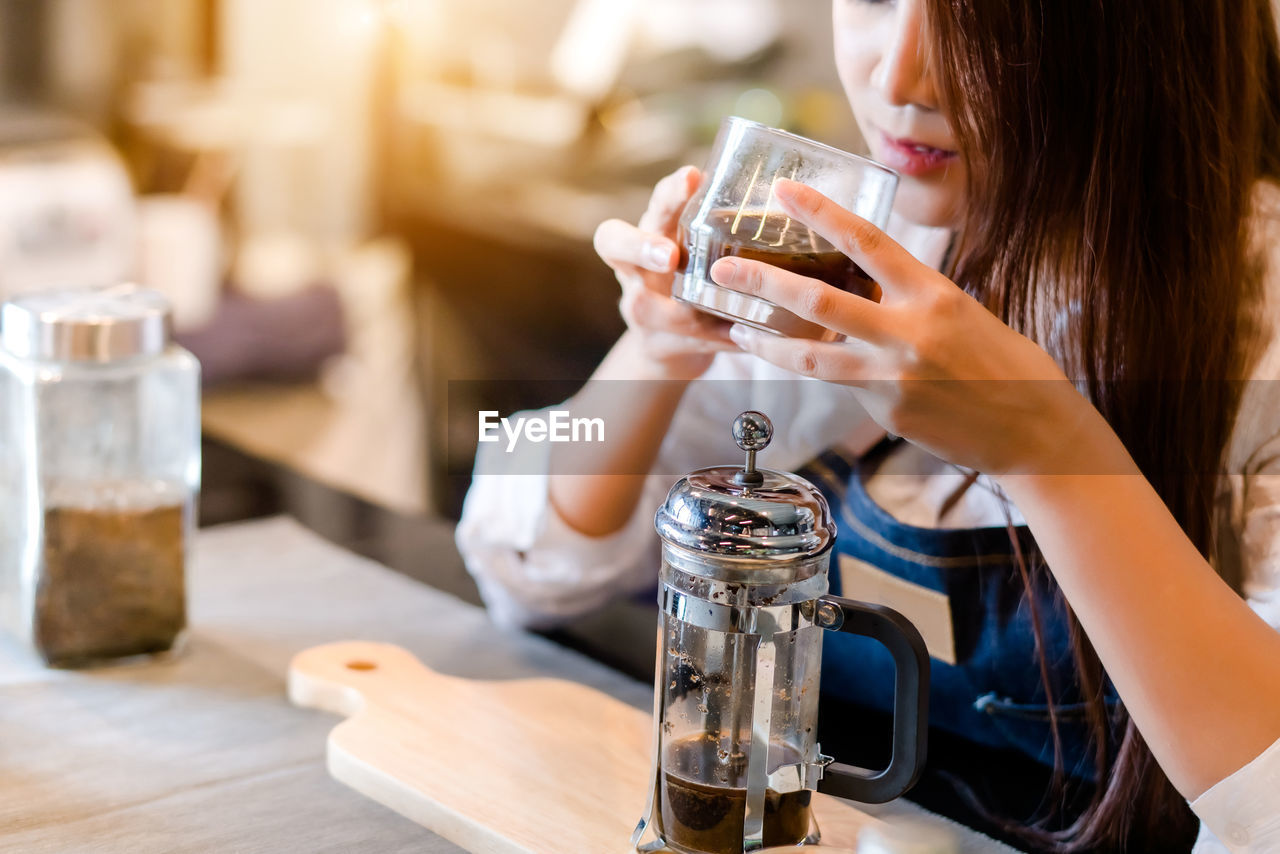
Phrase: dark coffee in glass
pixel 774 239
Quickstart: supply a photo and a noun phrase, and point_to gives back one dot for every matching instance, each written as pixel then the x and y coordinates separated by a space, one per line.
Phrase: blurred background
pixel 355 203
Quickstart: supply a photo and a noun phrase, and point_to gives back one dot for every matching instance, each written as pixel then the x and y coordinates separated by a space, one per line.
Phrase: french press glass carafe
pixel 743 600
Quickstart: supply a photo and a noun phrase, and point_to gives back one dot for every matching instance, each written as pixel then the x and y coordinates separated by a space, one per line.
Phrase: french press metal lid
pixel 743 599
pixel 729 520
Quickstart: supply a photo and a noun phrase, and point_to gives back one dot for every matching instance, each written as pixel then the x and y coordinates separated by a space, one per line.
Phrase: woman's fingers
pixel 661 314
pixel 649 247
pixel 619 242
pixel 873 250
pixel 675 340
pixel 848 362
pixel 668 200
pixel 811 299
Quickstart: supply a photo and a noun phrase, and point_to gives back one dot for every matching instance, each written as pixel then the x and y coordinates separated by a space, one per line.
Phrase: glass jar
pixel 99 472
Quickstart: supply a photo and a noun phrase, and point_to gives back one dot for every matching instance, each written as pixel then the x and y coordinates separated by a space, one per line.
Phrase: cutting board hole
pixel 361 665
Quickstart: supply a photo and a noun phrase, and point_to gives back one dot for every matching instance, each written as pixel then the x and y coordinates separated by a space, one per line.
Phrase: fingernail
pixel 786 189
pixel 658 255
pixel 724 270
pixel 741 335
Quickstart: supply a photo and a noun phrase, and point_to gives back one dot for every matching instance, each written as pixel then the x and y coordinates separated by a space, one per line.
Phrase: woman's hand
pixel 676 341
pixel 930 363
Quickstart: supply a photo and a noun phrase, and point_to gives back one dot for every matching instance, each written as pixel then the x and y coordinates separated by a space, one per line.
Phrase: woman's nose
pixel 903 76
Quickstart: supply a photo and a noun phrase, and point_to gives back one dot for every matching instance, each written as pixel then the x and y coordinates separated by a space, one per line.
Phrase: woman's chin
pixel 928 205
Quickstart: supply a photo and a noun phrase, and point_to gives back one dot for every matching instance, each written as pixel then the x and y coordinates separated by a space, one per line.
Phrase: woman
pixel 1102 175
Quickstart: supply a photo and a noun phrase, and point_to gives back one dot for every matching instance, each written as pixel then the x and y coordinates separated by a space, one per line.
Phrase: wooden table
pixel 204 753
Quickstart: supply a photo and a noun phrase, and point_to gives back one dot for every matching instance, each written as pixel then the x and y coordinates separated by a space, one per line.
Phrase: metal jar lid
pixel 747 513
pixel 86 325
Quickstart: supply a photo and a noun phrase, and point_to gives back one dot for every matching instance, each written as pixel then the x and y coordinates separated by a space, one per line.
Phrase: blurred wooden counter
pixel 204 753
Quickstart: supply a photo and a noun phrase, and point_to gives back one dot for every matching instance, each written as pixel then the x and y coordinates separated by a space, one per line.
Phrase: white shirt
pixel 534 570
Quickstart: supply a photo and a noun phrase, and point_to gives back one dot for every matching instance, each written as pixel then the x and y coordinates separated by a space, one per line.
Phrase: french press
pixel 743 607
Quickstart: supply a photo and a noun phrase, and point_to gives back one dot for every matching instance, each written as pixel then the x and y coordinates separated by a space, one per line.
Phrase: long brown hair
pixel 1113 149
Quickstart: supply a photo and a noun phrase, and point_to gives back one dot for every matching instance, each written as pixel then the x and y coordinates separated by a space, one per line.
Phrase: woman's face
pixel 882 60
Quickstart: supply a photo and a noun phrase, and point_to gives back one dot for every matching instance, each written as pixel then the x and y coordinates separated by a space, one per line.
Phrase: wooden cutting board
pixel 529 766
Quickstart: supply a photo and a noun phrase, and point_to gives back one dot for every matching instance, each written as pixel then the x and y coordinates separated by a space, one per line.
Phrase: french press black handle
pixel 910 702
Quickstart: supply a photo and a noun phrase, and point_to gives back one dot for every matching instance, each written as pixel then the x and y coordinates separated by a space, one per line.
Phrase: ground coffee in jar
pixel 99 458
pixel 113 583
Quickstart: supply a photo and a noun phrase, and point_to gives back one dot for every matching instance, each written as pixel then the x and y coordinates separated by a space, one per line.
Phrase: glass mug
pixel 734 212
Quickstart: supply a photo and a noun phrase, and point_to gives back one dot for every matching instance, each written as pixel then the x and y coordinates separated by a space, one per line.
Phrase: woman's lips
pixel 913 158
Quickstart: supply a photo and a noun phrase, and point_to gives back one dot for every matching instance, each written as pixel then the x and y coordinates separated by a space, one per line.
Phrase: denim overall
pixel 990 737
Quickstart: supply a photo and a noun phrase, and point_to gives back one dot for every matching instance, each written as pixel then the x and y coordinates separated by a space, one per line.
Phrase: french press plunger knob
pixel 752 431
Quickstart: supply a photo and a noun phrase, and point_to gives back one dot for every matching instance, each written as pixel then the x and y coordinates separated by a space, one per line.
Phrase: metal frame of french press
pixel 764 623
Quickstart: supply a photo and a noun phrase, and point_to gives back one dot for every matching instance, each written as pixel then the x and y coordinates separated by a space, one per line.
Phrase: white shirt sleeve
pixel 531 567
pixel 1241 814
pixel 534 570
